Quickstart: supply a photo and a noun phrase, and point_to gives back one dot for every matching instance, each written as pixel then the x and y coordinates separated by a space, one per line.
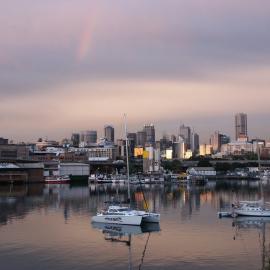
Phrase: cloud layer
pixel 80 64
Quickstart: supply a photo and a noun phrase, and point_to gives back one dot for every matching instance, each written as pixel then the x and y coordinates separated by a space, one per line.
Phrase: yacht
pixel 124 215
pixel 118 215
pixel 251 208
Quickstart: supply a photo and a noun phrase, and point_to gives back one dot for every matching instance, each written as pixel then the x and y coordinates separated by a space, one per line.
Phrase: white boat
pixel 123 215
pixel 251 209
pixel 118 215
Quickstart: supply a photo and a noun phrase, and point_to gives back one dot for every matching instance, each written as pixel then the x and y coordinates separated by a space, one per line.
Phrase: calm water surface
pixel 49 227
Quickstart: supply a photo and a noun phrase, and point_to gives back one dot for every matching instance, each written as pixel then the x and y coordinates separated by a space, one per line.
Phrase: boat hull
pixel 57 181
pixel 151 218
pixel 112 219
pixel 247 213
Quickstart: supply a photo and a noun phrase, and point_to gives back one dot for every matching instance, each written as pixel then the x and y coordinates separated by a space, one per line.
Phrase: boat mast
pixel 259 165
pixel 126 138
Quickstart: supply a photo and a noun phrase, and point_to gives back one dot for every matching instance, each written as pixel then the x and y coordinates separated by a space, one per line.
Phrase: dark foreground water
pixel 49 227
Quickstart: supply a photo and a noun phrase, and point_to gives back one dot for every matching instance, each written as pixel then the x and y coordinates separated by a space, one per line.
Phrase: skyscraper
pixel 150 134
pixel 141 138
pixel 240 125
pixel 132 138
pixel 195 142
pixel 109 133
pixel 75 139
pixel 185 133
pixel 89 137
pixel 217 140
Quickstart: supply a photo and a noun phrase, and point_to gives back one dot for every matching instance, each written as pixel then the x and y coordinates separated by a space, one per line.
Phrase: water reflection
pixel 123 234
pixel 49 227
pixel 260 225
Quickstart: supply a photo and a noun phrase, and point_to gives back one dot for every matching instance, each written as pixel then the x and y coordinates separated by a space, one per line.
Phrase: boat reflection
pixel 116 230
pixel 258 223
pixel 123 234
pixel 250 222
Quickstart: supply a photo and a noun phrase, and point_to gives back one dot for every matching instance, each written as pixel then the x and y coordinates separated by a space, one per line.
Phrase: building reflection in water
pixel 261 226
pixel 188 216
pixel 17 201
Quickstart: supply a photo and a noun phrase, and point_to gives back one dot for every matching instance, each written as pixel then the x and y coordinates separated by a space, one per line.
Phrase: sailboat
pixel 252 208
pixel 118 214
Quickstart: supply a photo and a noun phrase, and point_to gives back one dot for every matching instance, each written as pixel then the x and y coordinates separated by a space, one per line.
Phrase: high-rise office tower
pixel 240 125
pixel 89 137
pixel 132 138
pixel 195 142
pixel 75 139
pixel 150 134
pixel 224 139
pixel 185 133
pixel 109 133
pixel 141 138
pixel 215 141
pixel 165 143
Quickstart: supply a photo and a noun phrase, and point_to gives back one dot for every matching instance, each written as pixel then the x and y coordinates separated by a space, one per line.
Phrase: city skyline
pixel 120 133
pixel 91 61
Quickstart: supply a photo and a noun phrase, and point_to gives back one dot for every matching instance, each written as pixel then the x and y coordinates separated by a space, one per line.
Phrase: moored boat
pixel 57 180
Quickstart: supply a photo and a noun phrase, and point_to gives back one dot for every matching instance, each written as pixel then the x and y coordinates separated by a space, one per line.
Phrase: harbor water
pixel 49 227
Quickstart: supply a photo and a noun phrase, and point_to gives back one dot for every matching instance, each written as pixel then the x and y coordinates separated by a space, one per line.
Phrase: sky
pixel 72 65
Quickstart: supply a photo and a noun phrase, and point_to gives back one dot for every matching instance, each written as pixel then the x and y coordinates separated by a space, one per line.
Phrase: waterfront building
pixel 77 171
pixel 150 134
pixel 240 125
pixel 3 141
pixel 141 138
pixel 102 153
pixel 88 137
pixel 109 133
pixel 185 133
pixel 14 152
pixel 202 171
pixel 20 172
pixel 75 139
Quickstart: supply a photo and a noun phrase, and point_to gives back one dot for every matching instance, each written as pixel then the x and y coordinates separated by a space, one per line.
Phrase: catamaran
pixel 118 214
